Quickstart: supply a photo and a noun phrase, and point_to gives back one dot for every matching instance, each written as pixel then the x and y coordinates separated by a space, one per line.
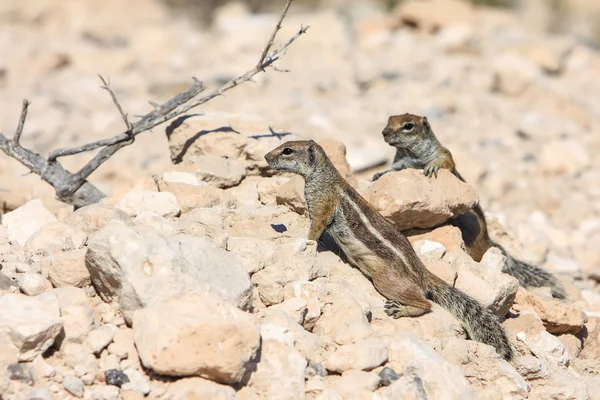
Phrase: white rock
pixel 56 237
pixel 138 201
pixel 77 313
pixel 443 380
pixel 94 217
pixel 546 347
pixel 308 292
pixel 429 248
pixel 200 389
pixel 200 335
pixel 101 337
pixel 73 385
pixel 295 307
pixel 40 394
pixel 33 284
pixel 280 372
pixel 218 171
pixel 137 382
pixel 364 355
pixel 26 220
pixel 28 325
pixel 108 392
pixel 252 253
pixel 141 270
pixel 67 269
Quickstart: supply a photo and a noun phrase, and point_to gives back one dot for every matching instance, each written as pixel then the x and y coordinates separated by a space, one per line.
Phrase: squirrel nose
pixel 385 131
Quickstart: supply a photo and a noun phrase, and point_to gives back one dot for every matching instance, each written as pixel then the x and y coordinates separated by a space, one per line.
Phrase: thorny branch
pixel 73 187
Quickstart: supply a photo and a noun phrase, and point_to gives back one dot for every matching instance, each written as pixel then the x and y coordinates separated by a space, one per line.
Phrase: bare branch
pixel 106 86
pixel 22 118
pixel 273 34
pixel 73 188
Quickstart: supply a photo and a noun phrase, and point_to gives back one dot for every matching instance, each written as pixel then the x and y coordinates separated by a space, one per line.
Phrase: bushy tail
pixel 531 276
pixel 480 324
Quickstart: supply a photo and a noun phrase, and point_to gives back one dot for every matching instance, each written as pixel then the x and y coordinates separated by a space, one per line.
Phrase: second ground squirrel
pixel 377 247
pixel 417 147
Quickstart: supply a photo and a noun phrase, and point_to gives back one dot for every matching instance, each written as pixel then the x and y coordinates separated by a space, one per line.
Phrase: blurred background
pixel 510 86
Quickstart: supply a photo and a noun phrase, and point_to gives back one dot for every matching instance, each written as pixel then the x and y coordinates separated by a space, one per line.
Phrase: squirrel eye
pixel 408 126
pixel 287 151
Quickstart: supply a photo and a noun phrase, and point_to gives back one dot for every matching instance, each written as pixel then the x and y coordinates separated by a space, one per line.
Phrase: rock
pixel 219 172
pixel 412 200
pixel 306 291
pixel 295 308
pixel 513 74
pixel 106 393
pixel 442 379
pixel 99 338
pixel 557 316
pixel 489 286
pixel 67 269
pixel 39 394
pixel 26 220
pixel 20 372
pixel 204 222
pixel 280 372
pixel 56 237
pixel 139 201
pixel 73 385
pixel 197 321
pixel 251 252
pixel 364 355
pixel 28 325
pixel 6 283
pixel 546 347
pixel 429 248
pixel 137 382
pixel 200 389
pixel 77 313
pixel 388 376
pixel 33 284
pixel 41 369
pixel 201 195
pixel 142 270
pixel 76 355
pixel 355 381
pixel 572 345
pixel 90 219
pixel 447 235
pixel 291 195
pixel 591 344
pixel 115 377
pixel 564 156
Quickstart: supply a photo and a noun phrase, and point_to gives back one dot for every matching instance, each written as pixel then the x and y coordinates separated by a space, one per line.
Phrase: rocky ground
pixel 193 278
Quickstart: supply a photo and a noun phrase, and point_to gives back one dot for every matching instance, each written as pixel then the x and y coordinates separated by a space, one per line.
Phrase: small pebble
pixel 388 376
pixel 40 394
pixel 73 385
pixel 20 372
pixel 115 377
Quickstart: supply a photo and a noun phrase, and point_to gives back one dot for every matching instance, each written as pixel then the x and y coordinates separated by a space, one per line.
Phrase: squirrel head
pixel 405 130
pixel 301 157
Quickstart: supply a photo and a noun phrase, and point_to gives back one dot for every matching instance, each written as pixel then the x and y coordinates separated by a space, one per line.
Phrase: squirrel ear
pixel 311 153
pixel 425 122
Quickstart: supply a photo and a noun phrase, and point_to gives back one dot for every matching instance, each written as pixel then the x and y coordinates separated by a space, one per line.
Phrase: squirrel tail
pixel 531 276
pixel 480 324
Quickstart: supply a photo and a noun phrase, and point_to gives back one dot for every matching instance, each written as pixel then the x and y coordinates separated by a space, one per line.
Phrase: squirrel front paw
pixel 432 169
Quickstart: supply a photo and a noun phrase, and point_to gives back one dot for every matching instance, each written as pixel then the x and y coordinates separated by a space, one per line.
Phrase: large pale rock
pixel 199 335
pixel 252 253
pixel 280 372
pixel 440 378
pixel 26 220
pixel 564 157
pixel 306 291
pixel 546 347
pixel 78 316
pixel 28 325
pixel 364 355
pixel 204 222
pixel 141 270
pixel 557 316
pixel 56 237
pixel 94 217
pixel 138 201
pixel 67 269
pixel 270 222
pixel 199 389
pixel 412 200
pixel 488 285
pixel 220 172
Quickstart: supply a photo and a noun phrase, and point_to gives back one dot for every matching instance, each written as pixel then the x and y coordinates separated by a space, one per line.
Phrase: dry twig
pixel 73 188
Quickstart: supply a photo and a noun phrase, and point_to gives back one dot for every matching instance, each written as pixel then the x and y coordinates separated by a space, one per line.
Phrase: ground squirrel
pixel 377 247
pixel 417 147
